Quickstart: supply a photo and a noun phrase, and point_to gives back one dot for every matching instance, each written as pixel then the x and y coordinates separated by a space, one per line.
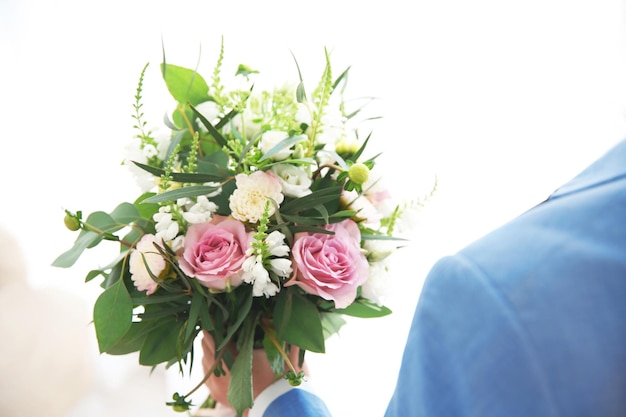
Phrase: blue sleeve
pixel 297 402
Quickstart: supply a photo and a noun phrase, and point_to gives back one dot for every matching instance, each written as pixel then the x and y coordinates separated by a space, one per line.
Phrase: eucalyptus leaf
pixel 284 144
pixel 112 315
pixel 69 257
pixel 173 195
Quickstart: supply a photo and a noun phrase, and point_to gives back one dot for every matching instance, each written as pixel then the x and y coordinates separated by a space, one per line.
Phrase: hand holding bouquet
pixel 261 222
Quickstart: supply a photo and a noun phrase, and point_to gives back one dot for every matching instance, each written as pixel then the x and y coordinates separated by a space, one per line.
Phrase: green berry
pixel 71 222
pixel 358 173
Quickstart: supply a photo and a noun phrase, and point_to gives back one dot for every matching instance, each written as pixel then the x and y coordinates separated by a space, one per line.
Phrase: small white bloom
pixel 276 244
pixel 166 227
pixel 281 267
pixel 254 273
pixel 272 138
pixel 200 212
pixel 294 180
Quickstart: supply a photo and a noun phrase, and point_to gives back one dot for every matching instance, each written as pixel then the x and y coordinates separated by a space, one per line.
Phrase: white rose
pixel 294 180
pixel 210 111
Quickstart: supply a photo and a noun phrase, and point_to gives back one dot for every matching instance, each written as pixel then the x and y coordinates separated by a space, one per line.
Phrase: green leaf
pixel 310 201
pixel 242 309
pixel 185 177
pixel 112 315
pixel 298 321
pixel 133 339
pixel 184 84
pixel 240 395
pixel 331 323
pixel 364 309
pixel 283 144
pixel 173 195
pixel 198 302
pixel 161 342
pixel 212 129
pixel 69 257
pixel 275 359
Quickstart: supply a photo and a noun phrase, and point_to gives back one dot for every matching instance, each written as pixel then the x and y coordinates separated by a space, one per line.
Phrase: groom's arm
pixel 283 400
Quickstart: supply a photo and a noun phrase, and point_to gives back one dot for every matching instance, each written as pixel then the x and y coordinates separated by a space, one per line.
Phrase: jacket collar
pixel 608 168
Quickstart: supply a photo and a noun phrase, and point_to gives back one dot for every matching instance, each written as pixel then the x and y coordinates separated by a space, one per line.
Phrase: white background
pixel 502 101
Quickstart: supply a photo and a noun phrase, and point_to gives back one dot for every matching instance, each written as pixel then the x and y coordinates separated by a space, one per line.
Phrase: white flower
pixel 166 227
pixel 378 250
pixel 137 151
pixel 201 211
pixel 376 288
pixel 210 111
pixel 294 180
pixel 281 267
pixel 254 273
pixel 247 202
pixel 303 114
pixel 272 138
pixel 365 210
pixel 245 123
pixel 332 125
pixel 156 265
pixel 276 244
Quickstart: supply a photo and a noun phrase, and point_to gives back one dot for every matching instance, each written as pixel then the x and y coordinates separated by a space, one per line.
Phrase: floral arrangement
pixel 260 221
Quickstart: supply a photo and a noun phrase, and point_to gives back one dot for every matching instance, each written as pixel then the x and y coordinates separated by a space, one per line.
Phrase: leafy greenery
pixel 218 138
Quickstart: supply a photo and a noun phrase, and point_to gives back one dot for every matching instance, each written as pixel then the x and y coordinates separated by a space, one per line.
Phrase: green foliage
pixel 207 155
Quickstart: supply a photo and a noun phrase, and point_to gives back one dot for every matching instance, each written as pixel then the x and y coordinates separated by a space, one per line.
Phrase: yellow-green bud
pixel 358 173
pixel 71 222
pixel 346 146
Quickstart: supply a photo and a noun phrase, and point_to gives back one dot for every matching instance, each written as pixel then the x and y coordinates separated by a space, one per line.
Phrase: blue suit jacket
pixel 529 320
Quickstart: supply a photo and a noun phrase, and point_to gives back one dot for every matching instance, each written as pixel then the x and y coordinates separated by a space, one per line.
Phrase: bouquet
pixel 261 222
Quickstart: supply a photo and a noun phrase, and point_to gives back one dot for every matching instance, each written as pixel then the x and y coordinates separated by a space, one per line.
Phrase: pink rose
pixel 330 266
pixel 214 252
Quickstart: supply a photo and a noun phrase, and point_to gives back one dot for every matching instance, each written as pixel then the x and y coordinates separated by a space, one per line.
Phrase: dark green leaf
pixel 240 395
pixel 209 126
pixel 161 342
pixel 298 321
pixel 309 201
pixel 112 315
pixel 133 339
pixel 182 177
